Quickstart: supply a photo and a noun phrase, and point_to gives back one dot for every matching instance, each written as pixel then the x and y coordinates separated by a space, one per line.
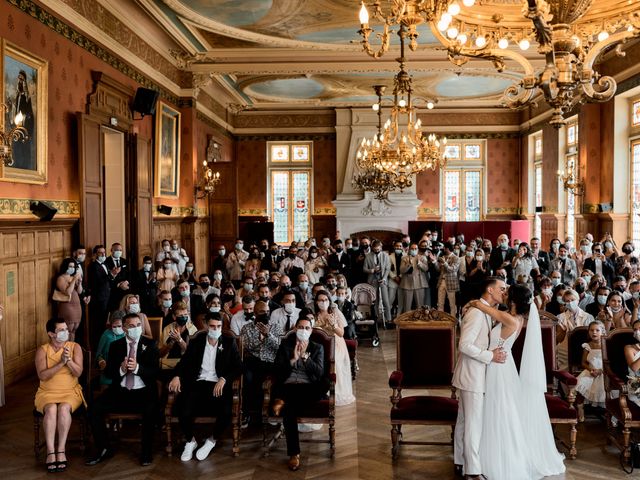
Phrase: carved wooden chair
pixel 171 418
pixel 576 338
pixel 561 410
pixel 79 417
pixel 156 327
pixel 618 405
pixel 321 412
pixel 426 356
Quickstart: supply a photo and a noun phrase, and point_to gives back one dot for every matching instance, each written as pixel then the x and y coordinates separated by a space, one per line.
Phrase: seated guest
pixel 599 263
pixel 287 315
pixel 182 292
pixel 556 305
pixel 634 291
pixel 189 275
pixel 204 288
pixel 204 378
pixel 247 288
pixel 230 304
pixel 162 308
pixel 110 335
pixel 131 304
pixel 214 305
pixel 572 317
pixel 632 355
pixel 582 289
pixel 146 285
pixel 175 336
pixel 300 380
pixel 348 310
pixel 342 282
pixel 620 285
pixel 69 284
pixel 285 286
pixel 244 316
pixel 133 368
pixel 314 267
pixel 58 364
pixel 544 293
pixel 602 294
pixel 303 288
pixel 615 315
pixel 217 280
pixel 264 294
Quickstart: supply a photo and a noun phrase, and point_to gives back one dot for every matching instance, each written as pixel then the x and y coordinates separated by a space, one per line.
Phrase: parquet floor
pixel 363 444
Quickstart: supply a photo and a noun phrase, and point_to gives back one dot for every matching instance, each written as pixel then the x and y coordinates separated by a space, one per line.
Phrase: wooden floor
pixel 363 444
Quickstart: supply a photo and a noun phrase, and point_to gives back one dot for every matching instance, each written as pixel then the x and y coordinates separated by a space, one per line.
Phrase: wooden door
pixel 141 194
pixel 91 177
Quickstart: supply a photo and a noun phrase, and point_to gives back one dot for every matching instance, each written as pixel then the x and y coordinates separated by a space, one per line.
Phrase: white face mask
pixel 101 258
pixel 134 308
pixel 413 253
pixel 147 267
pixel 189 269
pixel 134 333
pixel 341 298
pixel 636 335
pixel 313 255
pixel 559 300
pixel 479 258
pixel 303 335
pixel 547 291
pixel 166 248
pixel 217 277
pixel 239 246
pixel 215 334
pixel 117 254
pixel 469 254
pixel 214 309
pixel 602 299
pixel 222 251
pixel 616 309
pixel 288 307
pixel 82 258
pixel 117 330
pixel 635 295
pixel 303 285
pixel 572 305
pixel 323 305
pixel 555 281
pixel 62 336
pixel 71 271
pixel 587 279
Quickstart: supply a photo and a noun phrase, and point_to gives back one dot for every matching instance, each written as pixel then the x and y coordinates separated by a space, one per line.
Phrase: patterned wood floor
pixel 363 444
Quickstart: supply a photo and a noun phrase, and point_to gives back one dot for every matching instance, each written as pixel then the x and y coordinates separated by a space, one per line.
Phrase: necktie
pixel 288 322
pixel 117 263
pixel 130 375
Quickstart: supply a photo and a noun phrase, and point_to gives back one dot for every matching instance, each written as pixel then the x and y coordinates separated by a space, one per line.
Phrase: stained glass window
pixel 572 134
pixel 279 153
pixel 300 153
pixel 300 205
pixel 472 152
pixel 571 131
pixel 537 149
pixel 635 108
pixel 472 196
pixel 280 206
pixel 452 152
pixel 452 195
pixel 537 227
pixel 635 193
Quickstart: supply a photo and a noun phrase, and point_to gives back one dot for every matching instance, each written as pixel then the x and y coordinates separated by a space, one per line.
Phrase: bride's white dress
pixel 515 404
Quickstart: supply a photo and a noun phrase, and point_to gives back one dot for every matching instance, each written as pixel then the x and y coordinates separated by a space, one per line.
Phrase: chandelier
pixel 569 179
pixel 210 179
pixel 570 35
pixel 16 133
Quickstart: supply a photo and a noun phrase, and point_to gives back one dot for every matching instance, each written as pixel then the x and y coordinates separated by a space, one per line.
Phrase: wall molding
pixel 19 207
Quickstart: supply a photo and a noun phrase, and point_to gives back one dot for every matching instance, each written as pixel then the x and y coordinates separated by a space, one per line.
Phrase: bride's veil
pixel 545 459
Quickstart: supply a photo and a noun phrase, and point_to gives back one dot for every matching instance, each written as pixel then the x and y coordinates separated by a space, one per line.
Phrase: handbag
pixel 58 296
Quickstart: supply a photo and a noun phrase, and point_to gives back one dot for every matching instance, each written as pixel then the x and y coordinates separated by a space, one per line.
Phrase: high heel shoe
pixel 52 467
pixel 62 465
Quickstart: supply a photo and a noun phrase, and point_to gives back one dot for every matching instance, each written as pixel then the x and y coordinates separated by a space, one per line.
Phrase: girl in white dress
pixel 332 321
pixel 591 381
pixel 515 403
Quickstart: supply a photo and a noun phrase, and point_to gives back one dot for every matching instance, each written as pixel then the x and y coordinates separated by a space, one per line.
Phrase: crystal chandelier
pixel 15 134
pixel 210 179
pixel 570 181
pixel 570 34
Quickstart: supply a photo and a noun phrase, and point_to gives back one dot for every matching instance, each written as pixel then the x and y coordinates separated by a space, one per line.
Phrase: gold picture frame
pixel 167 151
pixel 25 76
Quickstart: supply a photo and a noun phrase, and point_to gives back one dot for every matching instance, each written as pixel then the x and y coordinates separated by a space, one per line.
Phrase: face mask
pixel 584 249
pixel 572 305
pixel 214 309
pixel 248 287
pixel 288 307
pixel 608 245
pixel 314 255
pixel 334 298
pixel 147 267
pixel 562 256
pixel 166 303
pixel 189 269
pixel 71 271
pixel 117 254
pixel 101 258
pixel 636 335
pixel 398 251
pixel 134 333
pixel 182 320
pixel 587 278
pixel 117 331
pixel 456 252
pixel 303 285
pixel 405 244
pixel 364 248
pixel 263 318
pixel 221 252
pixel 616 309
pixel 555 246
pixel 338 249
pixel 413 252
pixel 559 300
pixel 422 249
pixel 580 288
pixel 349 247
pixel 469 254
pixel 62 336
pixel 303 335
pixel 82 258
pixel 167 266
pixel 239 246
pixel 292 256
pixel 434 237
pixel 463 247
pixel 174 247
pixel 249 316
pixel 166 248
pixel 184 293
pixel 217 277
pixel 555 281
pixel 226 298
pixel 134 308
pixel 341 298
pixel 635 295
pixel 504 245
pixel 547 291
pixel 602 299
pixel 204 285
pixel 323 306
pixel 627 250
pixel 479 258
pixel 214 334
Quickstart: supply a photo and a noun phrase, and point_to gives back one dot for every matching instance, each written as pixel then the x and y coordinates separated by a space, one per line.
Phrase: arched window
pixel 571 166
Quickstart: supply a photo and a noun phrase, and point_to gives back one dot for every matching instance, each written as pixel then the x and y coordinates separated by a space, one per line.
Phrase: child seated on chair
pixel 591 381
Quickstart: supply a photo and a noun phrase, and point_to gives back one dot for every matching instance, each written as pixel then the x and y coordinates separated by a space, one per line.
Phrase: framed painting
pixel 167 164
pixel 24 94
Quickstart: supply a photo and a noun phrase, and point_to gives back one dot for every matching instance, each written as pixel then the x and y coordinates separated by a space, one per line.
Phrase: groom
pixel 469 378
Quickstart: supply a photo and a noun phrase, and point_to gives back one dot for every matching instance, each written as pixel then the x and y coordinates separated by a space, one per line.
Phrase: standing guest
pixel 100 288
pixel 175 337
pixel 542 257
pixel 348 309
pixel 477 273
pixel 164 252
pixel 565 265
pixel 119 275
pixel 292 265
pixel 167 275
pixel 220 262
pixel 247 289
pixel 204 378
pixel 287 316
pixel 59 364
pixel 610 248
pixel 130 303
pixel 146 285
pixel 285 286
pixel 272 259
pixel 300 380
pixel 501 257
pixel 236 261
pixel 582 254
pixel 554 246
pixel 204 288
pixel 627 264
pixel 133 368
pixel 340 261
pixel 253 264
pixel 524 264
pixel 377 266
pixel 315 266
pixel 304 288
pixel 179 256
pixel 69 284
pixel 110 335
pixel 79 254
pixel 544 293
pixel 414 280
pixel 449 283
pixel 395 260
pixel 342 282
pixel 357 261
pixel 218 278
pixel 189 275
pixel 581 288
pixel 599 263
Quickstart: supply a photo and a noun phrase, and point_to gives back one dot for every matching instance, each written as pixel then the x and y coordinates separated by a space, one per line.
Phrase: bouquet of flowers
pixel 633 384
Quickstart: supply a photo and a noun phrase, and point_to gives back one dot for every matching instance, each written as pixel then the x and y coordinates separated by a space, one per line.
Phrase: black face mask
pixel 579 288
pixel 627 250
pixel 292 256
pixel 182 320
pixel 405 244
pixel 619 289
pixel 422 249
pixel 262 318
pixel 249 316
pixel 364 248
pixel 264 298
pixel 338 248
pixel 487 250
pixel 227 298
pixel 204 285
pixel 274 252
pixel 264 248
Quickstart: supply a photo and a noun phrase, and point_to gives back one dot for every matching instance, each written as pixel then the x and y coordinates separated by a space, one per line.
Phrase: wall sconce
pixel 17 133
pixel 210 179
pixel 569 179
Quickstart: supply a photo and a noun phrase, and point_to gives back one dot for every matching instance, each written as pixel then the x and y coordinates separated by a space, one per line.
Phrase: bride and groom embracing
pixel 503 430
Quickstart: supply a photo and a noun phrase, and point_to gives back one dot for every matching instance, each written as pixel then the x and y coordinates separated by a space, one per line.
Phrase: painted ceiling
pixel 292 53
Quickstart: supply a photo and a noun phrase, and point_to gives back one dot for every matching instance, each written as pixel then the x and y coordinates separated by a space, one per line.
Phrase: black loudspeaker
pixel 538 209
pixel 165 209
pixel 145 101
pixel 43 211
pixel 605 207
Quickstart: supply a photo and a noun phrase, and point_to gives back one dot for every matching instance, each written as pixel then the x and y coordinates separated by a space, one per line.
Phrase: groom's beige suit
pixel 469 379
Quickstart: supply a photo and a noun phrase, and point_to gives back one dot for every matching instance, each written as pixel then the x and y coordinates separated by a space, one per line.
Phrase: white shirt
pixel 137 381
pixel 598 263
pixel 237 322
pixel 208 367
pixel 279 317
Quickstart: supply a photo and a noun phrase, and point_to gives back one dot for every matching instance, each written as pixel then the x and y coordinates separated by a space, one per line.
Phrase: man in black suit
pixel 348 310
pixel 542 257
pixel 99 285
pixel 79 254
pixel 300 380
pixel 205 376
pixel 271 260
pixel 133 368
pixel 146 285
pixel 118 274
pixel 340 261
pixel 599 263
pixel 182 293
pixel 500 259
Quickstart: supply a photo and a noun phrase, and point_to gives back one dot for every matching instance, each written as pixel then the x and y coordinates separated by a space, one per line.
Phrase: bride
pixel 515 404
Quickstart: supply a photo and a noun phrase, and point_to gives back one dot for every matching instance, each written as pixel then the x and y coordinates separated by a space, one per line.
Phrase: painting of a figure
pixel 167 151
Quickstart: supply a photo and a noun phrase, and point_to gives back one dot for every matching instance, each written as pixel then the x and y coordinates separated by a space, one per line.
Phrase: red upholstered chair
pixel 617 400
pixel 561 410
pixel 321 412
pixel 426 355
pixel 577 337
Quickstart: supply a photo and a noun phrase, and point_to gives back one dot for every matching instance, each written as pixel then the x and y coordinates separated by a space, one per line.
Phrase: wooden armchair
pixel 321 412
pixel 171 418
pixel 617 401
pixel 561 410
pixel 576 338
pixel 426 356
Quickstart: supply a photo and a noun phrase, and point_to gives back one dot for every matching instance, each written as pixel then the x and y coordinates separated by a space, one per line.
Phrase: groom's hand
pixel 499 355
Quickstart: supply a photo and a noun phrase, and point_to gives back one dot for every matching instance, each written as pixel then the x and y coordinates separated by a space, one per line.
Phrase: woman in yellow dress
pixel 59 364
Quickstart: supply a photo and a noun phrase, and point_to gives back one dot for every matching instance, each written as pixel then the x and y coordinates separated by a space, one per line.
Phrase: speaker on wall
pixel 145 101
pixel 539 209
pixel 165 209
pixel 43 211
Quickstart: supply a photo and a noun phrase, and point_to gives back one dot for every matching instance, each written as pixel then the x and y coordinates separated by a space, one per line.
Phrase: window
pixel 635 192
pixel 536 138
pixel 289 190
pixel 571 132
pixel 635 113
pixel 462 181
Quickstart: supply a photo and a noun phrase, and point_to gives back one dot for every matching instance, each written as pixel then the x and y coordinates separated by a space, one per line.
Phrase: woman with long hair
pixel 69 283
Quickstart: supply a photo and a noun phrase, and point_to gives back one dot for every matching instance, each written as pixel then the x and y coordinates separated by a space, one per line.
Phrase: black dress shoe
pixel 146 461
pixel 457 470
pixel 105 454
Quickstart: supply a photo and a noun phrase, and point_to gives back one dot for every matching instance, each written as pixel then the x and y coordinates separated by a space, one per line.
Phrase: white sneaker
pixel 187 453
pixel 204 451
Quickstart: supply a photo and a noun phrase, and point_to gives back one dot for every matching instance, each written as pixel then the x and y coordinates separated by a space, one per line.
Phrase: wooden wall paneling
pixel 143 192
pixel 223 209
pixel 323 226
pixel 166 227
pixel 201 253
pixel 91 181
